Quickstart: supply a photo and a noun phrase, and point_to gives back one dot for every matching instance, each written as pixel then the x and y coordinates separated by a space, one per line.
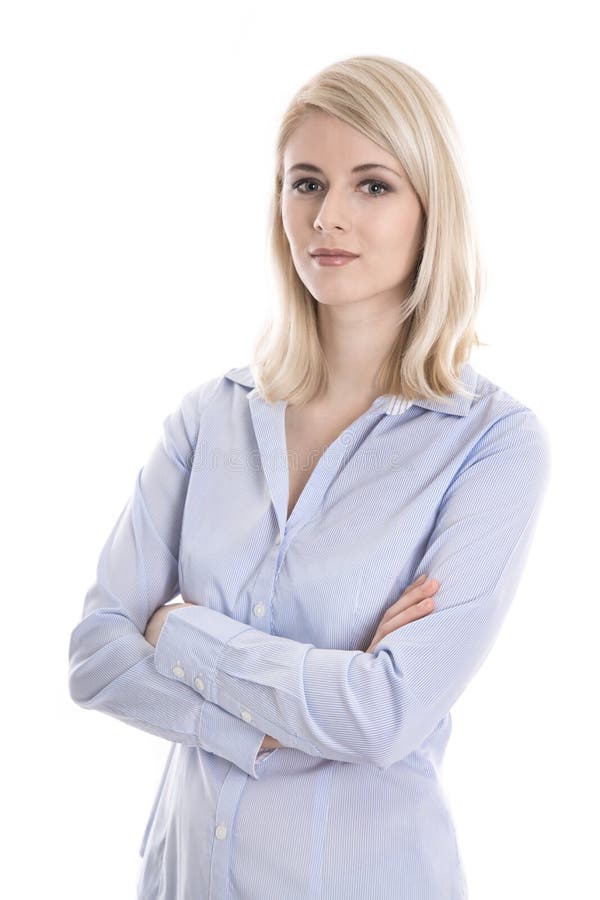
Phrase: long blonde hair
pixel 401 111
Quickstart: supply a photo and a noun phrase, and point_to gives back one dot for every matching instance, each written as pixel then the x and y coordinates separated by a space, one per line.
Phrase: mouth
pixel 330 259
pixel 333 251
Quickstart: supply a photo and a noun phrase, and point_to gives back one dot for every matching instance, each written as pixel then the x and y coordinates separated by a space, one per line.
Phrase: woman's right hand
pixel 415 602
pixel 269 743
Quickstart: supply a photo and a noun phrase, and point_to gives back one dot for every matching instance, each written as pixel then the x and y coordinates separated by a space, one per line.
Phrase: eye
pixel 380 184
pixel 383 187
pixel 302 182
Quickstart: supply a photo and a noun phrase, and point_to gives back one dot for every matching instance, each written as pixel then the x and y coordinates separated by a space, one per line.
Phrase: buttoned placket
pixel 268 421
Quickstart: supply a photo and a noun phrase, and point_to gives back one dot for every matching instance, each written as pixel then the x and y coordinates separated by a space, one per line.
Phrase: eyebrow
pixel 309 167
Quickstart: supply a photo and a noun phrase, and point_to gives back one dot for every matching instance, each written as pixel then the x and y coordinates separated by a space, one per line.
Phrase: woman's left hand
pixel 157 620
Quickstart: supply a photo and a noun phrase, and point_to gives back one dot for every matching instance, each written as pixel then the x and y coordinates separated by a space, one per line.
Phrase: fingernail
pixel 421 578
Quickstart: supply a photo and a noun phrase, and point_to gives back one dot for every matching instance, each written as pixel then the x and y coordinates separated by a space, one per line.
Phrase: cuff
pixel 190 644
pixel 230 738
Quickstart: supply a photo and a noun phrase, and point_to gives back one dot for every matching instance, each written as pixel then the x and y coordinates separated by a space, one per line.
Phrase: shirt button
pixel 246 716
pixel 199 683
pixel 278 539
pixel 220 832
pixel 177 670
pixel 259 609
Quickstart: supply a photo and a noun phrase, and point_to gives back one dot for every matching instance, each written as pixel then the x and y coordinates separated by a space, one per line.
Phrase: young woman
pixel 346 519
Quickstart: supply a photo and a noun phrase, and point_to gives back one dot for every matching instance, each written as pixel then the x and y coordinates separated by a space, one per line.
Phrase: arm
pixel 152 633
pixel 111 664
pixel 377 708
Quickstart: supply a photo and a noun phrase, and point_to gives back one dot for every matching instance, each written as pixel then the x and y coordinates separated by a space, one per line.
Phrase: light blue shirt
pixel 352 806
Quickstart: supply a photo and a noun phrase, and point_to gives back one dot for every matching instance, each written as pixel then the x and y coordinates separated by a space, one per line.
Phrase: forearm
pixel 152 633
pixel 376 708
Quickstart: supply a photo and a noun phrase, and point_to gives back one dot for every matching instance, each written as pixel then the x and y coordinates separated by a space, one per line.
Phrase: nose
pixel 332 213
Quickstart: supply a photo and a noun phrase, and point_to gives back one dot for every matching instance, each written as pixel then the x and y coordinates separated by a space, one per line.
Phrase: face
pixel 373 212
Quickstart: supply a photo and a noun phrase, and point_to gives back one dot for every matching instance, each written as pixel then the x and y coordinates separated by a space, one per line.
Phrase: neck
pixel 354 346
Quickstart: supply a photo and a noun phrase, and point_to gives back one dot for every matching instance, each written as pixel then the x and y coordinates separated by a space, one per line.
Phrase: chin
pixel 336 300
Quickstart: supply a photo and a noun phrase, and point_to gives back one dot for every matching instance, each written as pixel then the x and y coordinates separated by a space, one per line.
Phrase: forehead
pixel 325 141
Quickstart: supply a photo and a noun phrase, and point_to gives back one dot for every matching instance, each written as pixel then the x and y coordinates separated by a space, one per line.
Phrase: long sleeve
pixel 377 708
pixel 111 665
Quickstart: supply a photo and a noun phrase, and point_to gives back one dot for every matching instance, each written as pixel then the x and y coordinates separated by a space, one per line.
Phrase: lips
pixel 334 252
pixel 334 262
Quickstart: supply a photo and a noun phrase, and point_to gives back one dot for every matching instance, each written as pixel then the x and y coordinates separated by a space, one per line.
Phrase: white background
pixel 135 172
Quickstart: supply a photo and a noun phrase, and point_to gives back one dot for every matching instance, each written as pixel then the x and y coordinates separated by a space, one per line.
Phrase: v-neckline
pixel 268 422
pixel 328 451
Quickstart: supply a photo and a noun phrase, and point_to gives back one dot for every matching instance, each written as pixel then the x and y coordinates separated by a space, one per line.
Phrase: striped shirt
pixel 284 609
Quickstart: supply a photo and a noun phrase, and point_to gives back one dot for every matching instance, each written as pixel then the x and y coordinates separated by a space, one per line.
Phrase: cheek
pixel 391 238
pixel 290 213
pixel 294 231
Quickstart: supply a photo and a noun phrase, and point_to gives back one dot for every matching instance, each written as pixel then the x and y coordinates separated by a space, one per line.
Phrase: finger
pixel 417 611
pixel 410 597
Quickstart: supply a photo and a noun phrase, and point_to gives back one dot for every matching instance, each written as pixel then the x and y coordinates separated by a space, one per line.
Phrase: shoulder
pixel 501 423
pixel 197 398
pixel 494 405
pixel 182 424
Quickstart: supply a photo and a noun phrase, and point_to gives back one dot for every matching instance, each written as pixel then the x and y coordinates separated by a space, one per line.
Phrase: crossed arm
pixel 415 601
pixel 111 664
pixel 347 705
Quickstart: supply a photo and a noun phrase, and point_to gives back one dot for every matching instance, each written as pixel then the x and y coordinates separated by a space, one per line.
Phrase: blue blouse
pixel 352 805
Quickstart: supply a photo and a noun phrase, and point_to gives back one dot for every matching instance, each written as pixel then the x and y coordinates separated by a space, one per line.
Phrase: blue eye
pixel 381 184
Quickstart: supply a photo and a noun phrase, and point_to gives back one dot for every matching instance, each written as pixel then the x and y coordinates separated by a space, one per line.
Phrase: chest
pixel 356 524
pixel 308 433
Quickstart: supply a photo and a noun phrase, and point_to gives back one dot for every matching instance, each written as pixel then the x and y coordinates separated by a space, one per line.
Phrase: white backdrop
pixel 136 163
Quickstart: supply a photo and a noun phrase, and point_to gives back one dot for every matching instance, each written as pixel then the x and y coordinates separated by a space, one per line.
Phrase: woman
pixel 297 506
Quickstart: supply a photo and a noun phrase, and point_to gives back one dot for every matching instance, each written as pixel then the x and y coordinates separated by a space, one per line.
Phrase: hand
pixel 414 602
pixel 157 620
pixel 269 743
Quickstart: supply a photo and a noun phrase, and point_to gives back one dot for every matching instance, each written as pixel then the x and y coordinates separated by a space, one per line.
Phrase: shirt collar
pixel 395 404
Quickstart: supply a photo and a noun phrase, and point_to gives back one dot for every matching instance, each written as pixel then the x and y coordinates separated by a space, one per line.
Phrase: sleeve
pixel 378 707
pixel 111 666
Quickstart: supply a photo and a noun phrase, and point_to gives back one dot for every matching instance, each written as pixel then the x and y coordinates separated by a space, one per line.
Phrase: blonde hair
pixel 400 110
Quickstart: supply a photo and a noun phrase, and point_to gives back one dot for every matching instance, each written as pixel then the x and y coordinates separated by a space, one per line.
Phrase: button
pixel 199 683
pixel 177 670
pixel 220 832
pixel 259 609
pixel 246 716
pixel 278 539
